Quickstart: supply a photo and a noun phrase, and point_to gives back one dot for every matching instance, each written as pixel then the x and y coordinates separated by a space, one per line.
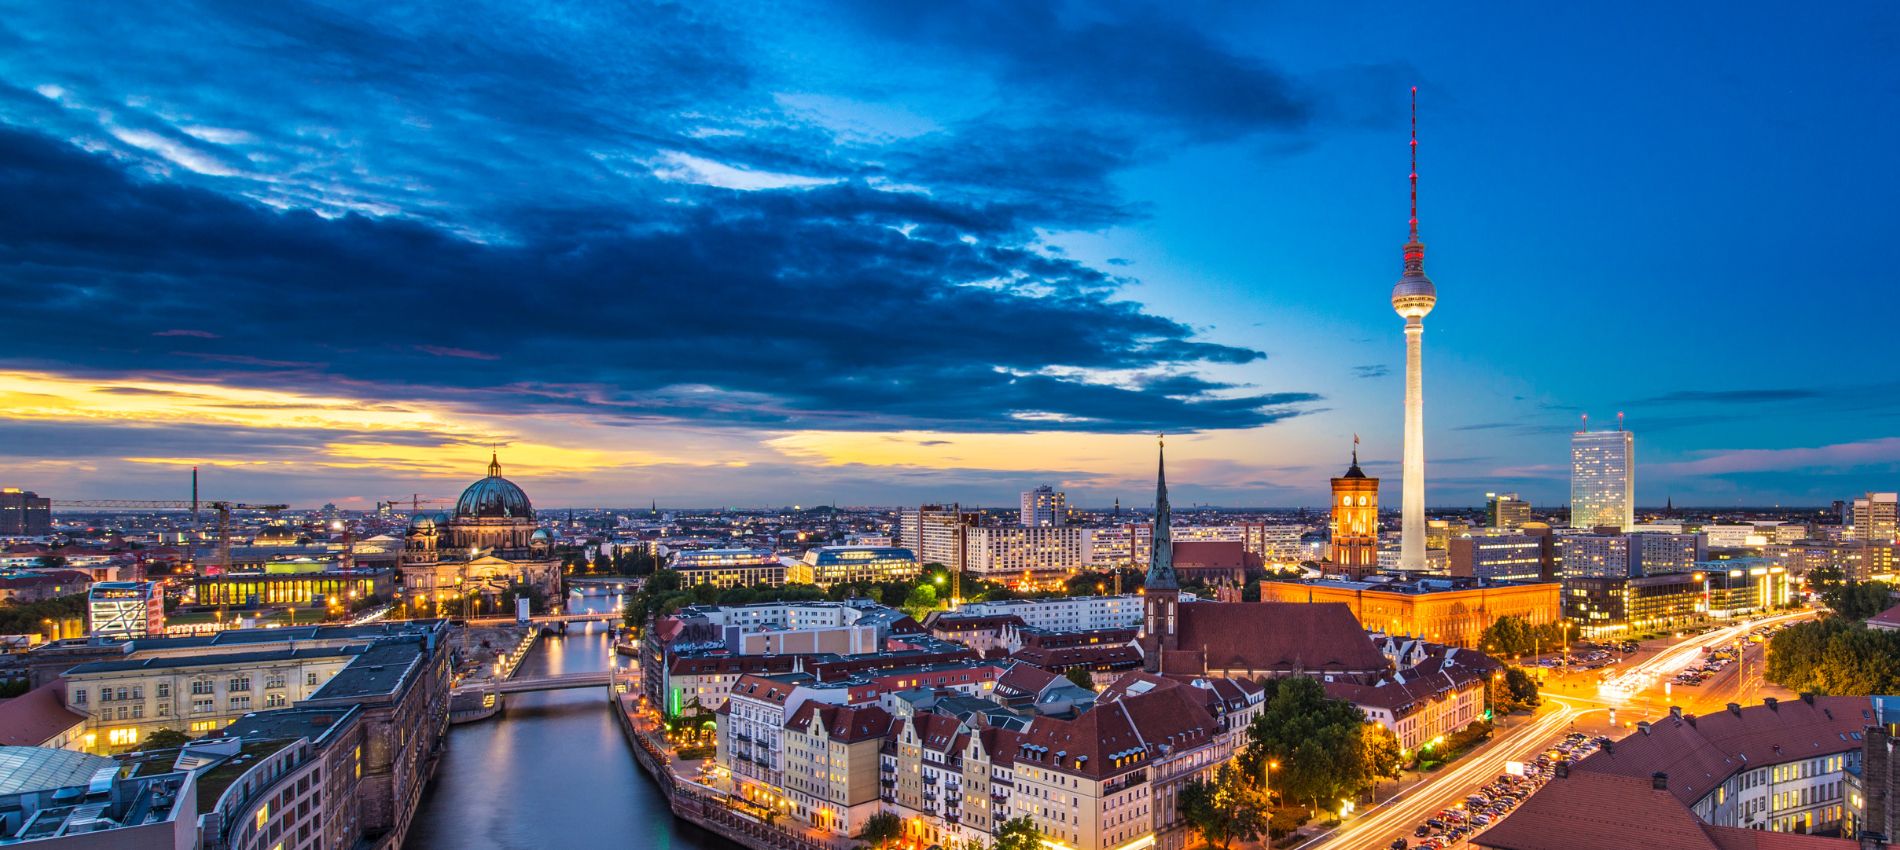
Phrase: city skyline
pixel 717 261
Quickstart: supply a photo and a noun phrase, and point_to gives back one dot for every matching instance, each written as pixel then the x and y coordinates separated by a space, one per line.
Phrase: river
pixel 552 771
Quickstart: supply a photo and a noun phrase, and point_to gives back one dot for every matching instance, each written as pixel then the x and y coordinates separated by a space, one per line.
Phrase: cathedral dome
pixel 543 534
pixel 493 497
pixel 421 522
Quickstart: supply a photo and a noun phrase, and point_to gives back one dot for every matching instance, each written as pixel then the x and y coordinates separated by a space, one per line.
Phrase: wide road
pixel 1377 826
pixel 1638 692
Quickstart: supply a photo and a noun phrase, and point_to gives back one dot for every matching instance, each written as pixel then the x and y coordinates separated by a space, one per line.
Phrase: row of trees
pixel 1837 656
pixel 1512 637
pixel 885 829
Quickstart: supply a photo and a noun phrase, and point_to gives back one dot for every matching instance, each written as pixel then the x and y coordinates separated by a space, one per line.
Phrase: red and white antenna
pixel 1586 422
pixel 1413 224
pixel 1619 420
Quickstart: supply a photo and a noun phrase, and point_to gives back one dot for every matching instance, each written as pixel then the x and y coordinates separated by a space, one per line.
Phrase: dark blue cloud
pixel 836 306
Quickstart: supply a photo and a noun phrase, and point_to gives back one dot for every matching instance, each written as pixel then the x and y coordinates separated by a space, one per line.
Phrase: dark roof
pixel 1314 637
pixel 165 662
pixel 493 497
pixel 1699 753
pixel 378 671
pixel 1889 618
pixel 1063 658
pixel 1628 813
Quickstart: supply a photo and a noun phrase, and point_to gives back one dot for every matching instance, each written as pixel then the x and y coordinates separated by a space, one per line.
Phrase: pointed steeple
pixel 1161 541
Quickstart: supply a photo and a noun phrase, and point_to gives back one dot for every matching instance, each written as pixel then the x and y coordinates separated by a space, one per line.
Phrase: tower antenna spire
pixel 1414 222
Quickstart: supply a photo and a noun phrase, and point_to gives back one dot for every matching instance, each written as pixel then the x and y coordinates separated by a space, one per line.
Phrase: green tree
pixel 165 739
pixel 1509 636
pixel 1860 662
pixel 1383 756
pixel 1080 678
pixel 881 829
pixel 1224 809
pixel 920 600
pixel 1018 834
pixel 1796 654
pixel 1318 742
pixel 1517 691
pixel 1858 600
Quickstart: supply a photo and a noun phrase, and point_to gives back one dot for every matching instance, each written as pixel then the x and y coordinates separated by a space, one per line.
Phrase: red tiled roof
pixel 846 724
pixel 1024 679
pixel 1628 813
pixel 762 689
pixel 1699 753
pixel 35 717
pixel 1313 637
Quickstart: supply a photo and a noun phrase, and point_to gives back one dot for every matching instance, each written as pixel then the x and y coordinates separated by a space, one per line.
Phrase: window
pixel 274 701
pixel 164 709
pixel 138 711
pixel 201 687
pixel 200 706
pixel 240 703
pixel 79 697
pixel 273 682
pixel 138 692
pixel 310 679
pixel 105 694
pixel 163 690
pixel 121 694
pixel 239 683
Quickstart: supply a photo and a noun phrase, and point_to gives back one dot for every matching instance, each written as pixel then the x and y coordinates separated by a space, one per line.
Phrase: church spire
pixel 1161 541
pixel 494 463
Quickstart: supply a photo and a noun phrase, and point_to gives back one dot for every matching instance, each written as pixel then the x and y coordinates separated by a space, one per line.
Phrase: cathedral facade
pixel 489 543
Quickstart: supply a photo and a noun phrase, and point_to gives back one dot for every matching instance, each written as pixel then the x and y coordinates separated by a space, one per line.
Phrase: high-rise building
pixel 1413 297
pixel 24 513
pixel 1874 517
pixel 1043 507
pixel 1355 525
pixel 934 533
pixel 1506 510
pixel 1603 479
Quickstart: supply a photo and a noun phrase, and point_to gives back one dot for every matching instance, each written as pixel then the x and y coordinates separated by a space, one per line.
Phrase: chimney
pixel 1735 709
pixel 1808 697
pixel 1772 703
pixel 1563 770
pixel 1609 747
pixel 1643 726
pixel 1659 781
pixel 1675 711
pixel 1689 719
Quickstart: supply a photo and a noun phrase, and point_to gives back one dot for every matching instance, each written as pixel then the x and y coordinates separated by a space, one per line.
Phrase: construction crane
pixel 416 501
pixel 224 510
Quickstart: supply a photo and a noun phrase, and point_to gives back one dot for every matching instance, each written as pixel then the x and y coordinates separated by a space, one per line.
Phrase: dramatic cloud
pixel 1880 452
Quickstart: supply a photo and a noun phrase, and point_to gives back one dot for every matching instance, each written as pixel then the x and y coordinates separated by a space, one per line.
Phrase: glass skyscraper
pixel 1603 479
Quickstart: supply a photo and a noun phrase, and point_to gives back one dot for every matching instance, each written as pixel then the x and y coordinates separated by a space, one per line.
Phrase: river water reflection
pixel 553 771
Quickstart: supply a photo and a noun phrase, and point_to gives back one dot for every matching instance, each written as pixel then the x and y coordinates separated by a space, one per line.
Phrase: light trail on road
pixel 1400 815
pixel 1673 660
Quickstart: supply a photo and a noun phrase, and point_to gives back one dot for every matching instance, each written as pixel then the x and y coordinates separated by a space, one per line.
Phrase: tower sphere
pixel 1414 295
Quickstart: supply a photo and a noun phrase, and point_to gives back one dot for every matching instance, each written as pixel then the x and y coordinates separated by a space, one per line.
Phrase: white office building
pixel 1043 507
pixel 1603 479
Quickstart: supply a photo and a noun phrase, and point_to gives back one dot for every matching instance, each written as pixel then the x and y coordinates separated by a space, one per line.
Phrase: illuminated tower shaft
pixel 1413 297
pixel 1412 492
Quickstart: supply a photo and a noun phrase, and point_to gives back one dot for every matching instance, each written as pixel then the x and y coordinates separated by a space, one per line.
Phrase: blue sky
pixel 880 253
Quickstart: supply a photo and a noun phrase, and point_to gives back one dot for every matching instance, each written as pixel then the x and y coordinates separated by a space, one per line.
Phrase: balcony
pixel 930 779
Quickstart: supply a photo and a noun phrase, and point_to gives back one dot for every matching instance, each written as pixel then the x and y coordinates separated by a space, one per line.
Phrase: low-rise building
pixel 123 610
pixel 729 567
pixel 825 566
pixel 1441 691
pixel 1780 766
pixel 1453 611
pixel 1066 614
pixel 1606 605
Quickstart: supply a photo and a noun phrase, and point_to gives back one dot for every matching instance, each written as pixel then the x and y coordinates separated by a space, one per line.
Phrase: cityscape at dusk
pixel 965 426
pixel 724 255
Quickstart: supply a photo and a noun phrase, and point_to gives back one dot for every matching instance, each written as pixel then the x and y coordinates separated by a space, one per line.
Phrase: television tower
pixel 1413 297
